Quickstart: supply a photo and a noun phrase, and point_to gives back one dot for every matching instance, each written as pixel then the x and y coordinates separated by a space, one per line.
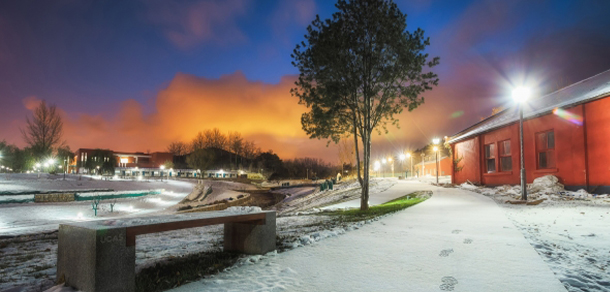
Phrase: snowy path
pixel 405 187
pixel 455 241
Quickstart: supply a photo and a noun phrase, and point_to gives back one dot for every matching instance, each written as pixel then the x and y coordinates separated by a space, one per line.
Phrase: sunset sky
pixel 137 75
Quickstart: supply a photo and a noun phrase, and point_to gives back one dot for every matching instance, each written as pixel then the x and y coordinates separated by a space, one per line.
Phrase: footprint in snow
pixel 448 283
pixel 457 231
pixel 467 241
pixel 445 252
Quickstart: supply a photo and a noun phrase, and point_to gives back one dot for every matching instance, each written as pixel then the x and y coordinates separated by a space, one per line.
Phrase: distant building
pixel 565 134
pixel 428 166
pixel 143 165
pixel 120 160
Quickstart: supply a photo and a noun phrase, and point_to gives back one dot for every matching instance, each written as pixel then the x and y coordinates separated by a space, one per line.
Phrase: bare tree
pixel 178 148
pixel 44 131
pixel 236 143
pixel 215 139
pixel 199 142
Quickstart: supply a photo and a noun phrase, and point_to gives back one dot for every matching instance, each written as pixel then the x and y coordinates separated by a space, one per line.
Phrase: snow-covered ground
pixel 343 192
pixel 455 241
pixel 31 218
pixel 570 230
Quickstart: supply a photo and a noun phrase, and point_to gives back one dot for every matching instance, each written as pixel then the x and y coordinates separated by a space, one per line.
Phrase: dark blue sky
pixel 98 59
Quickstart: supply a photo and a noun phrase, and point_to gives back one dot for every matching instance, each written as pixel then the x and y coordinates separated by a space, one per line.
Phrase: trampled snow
pixel 455 241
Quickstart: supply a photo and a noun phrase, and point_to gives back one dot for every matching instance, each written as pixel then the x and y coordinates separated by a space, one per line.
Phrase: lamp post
pixel 391 160
pixel 436 156
pixel 436 141
pixel 65 167
pixel 423 159
pixel 162 167
pixel 520 95
pixel 402 161
pixel 411 166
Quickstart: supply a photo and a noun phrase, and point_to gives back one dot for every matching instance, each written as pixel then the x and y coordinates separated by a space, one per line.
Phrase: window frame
pixel 493 155
pixel 545 150
pixel 502 155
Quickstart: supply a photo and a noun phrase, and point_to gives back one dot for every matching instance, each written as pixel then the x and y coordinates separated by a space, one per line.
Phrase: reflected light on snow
pixel 568 116
pixel 79 216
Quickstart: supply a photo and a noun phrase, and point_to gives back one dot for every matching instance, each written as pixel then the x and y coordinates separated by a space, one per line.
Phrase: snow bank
pixel 546 187
pixel 16 199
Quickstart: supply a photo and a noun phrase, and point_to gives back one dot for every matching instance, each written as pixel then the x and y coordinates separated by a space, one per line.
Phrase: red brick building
pixel 428 166
pixel 566 134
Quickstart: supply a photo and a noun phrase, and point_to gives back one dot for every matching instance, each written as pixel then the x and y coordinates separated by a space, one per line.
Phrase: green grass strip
pixel 378 210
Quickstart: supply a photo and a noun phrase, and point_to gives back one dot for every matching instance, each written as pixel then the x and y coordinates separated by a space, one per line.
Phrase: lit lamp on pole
pixel 436 141
pixel 402 158
pixel 411 166
pixel 520 96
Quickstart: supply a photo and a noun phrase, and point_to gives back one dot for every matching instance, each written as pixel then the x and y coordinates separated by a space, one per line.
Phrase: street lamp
pixel 410 167
pixel 436 155
pixel 162 167
pixel 520 96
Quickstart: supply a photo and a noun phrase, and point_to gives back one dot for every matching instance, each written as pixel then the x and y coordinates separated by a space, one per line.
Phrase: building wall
pixel 597 119
pixel 569 150
pixel 470 163
pixel 430 167
pixel 508 133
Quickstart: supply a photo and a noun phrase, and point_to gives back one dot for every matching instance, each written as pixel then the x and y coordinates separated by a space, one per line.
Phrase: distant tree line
pixel 211 149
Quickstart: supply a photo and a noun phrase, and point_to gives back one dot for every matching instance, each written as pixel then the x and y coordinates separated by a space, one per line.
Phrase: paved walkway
pixel 455 241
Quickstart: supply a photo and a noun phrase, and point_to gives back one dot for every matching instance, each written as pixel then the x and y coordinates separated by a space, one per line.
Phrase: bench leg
pixel 95 260
pixel 250 238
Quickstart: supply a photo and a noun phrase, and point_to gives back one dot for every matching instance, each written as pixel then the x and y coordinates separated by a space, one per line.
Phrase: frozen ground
pixel 31 218
pixel 455 241
pixel 570 230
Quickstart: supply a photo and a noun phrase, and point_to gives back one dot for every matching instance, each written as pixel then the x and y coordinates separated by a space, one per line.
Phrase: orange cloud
pixel 262 112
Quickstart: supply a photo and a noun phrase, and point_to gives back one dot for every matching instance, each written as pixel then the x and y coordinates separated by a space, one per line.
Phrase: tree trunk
pixel 364 198
pixel 357 155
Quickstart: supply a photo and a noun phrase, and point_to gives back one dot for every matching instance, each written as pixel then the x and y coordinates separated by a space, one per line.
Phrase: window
pixel 490 157
pixel 545 149
pixel 506 160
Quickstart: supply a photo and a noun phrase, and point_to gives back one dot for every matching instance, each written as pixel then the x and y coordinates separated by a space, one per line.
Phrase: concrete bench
pixel 99 256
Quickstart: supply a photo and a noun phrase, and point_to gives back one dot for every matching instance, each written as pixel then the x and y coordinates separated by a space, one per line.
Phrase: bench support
pixel 250 238
pixel 95 260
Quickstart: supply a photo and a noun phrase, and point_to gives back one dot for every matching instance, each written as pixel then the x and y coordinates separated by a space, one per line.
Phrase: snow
pixel 347 191
pixel 569 230
pixel 459 239
pixel 220 190
pixel 440 244
pixel 31 218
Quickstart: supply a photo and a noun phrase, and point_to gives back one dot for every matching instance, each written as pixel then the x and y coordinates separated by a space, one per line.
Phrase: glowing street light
pixel 411 167
pixel 520 96
pixel 436 141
